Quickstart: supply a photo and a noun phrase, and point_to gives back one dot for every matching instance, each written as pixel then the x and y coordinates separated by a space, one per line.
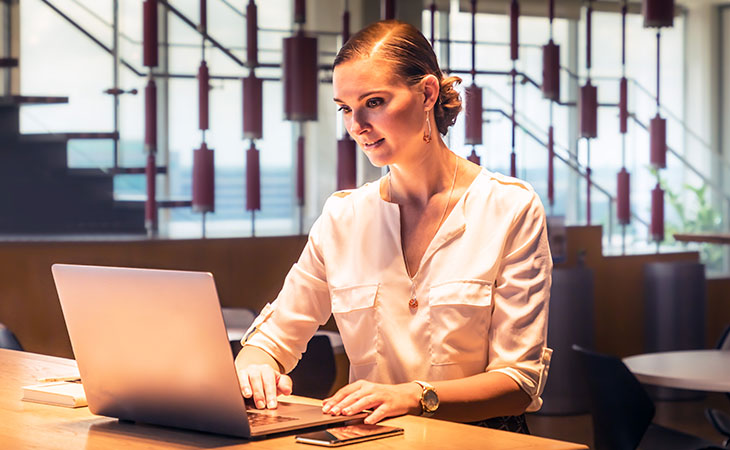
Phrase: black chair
pixel 622 410
pixel 315 373
pixel 8 339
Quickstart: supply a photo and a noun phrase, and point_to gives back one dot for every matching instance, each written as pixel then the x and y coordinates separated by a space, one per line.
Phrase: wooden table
pixel 28 425
pixel 710 238
pixel 700 370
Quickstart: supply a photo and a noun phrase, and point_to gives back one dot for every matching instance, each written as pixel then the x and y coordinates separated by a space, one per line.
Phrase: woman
pixel 438 275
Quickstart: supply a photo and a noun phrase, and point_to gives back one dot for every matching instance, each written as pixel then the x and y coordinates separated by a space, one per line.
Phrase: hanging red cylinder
pixel 150 206
pixel 551 168
pixel 589 185
pixel 623 105
pixel 203 179
pixel 473 157
pixel 252 39
pixel 657 214
pixel 253 107
pixel 345 27
pixel 150 116
pixel 203 89
pixel 149 33
pixel 300 11
pixel 623 193
pixel 658 13
pixel 588 107
pixel 253 179
pixel 300 170
pixel 346 164
pixel 551 71
pixel 203 27
pixel 658 142
pixel 300 78
pixel 387 9
pixel 514 43
pixel 513 165
pixel 473 105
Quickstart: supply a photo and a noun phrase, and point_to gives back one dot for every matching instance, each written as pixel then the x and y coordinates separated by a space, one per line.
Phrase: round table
pixel 699 370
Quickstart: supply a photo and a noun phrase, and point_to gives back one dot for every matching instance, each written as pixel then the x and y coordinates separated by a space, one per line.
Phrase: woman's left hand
pixel 386 400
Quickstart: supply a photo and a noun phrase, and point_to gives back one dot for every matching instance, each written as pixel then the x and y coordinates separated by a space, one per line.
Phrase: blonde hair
pixel 411 57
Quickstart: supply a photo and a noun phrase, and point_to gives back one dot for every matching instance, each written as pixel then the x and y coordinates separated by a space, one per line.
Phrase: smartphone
pixel 350 434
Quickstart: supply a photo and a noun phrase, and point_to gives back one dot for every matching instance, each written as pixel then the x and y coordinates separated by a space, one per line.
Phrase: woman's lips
pixel 371 145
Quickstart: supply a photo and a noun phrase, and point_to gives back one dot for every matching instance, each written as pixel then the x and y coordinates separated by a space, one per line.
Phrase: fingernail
pixel 335 411
pixel 346 411
pixel 326 408
pixel 247 392
pixel 260 404
pixel 272 404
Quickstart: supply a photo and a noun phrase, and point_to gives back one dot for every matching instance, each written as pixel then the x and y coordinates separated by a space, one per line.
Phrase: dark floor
pixel 687 416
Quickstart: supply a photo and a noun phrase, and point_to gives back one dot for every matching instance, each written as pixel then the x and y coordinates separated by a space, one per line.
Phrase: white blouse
pixel 482 289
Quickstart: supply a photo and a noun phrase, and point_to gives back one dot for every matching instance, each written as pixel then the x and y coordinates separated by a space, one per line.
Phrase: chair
pixel 622 410
pixel 315 373
pixel 237 321
pixel 8 339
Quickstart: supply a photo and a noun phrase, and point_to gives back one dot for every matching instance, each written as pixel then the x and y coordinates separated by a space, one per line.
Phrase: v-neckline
pixel 429 248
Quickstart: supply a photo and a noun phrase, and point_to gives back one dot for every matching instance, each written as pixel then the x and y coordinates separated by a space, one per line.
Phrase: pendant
pixel 413 303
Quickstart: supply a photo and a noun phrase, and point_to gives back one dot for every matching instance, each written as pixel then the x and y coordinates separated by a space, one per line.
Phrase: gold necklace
pixel 413 302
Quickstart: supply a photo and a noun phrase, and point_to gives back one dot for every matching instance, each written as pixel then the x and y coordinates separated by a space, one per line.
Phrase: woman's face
pixel 383 115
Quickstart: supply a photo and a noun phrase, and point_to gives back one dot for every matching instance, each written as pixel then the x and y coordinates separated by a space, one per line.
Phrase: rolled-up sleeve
pixel 518 334
pixel 285 326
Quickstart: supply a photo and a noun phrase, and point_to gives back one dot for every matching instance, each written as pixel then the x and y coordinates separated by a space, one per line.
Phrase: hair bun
pixel 448 105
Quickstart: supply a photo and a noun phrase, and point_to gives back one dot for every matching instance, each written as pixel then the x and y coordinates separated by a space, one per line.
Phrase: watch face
pixel 430 400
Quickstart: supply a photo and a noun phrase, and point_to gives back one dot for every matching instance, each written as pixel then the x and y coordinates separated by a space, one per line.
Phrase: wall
pixel 250 271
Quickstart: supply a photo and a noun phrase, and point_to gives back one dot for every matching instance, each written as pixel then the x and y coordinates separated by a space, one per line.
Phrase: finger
pixel 380 413
pixel 245 384
pixel 367 402
pixel 257 387
pixel 343 392
pixel 284 386
pixel 269 379
pixel 348 401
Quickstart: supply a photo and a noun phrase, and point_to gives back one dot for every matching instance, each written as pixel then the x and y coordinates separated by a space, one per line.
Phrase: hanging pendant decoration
pixel 623 188
pixel 150 60
pixel 658 13
pixel 203 179
pixel 514 16
pixel 657 214
pixel 551 71
pixel 346 165
pixel 387 9
pixel 588 107
pixel 300 77
pixel 473 106
pixel 253 179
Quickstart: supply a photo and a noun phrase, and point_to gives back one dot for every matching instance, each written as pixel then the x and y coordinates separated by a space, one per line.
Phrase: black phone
pixel 349 434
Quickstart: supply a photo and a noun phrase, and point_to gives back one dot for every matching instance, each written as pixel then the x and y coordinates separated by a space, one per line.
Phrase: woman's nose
pixel 358 123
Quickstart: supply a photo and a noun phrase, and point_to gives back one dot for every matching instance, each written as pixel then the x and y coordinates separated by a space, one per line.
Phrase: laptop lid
pixel 151 346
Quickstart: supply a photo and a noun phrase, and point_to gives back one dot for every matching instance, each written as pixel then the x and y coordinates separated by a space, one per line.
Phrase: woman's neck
pixel 416 180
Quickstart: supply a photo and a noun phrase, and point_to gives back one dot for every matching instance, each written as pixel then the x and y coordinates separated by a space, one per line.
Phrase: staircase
pixel 40 194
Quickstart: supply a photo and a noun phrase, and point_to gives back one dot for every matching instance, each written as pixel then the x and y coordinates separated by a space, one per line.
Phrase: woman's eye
pixel 344 109
pixel 373 102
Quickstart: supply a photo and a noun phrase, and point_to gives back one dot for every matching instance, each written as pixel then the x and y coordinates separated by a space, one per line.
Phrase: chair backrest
pixel 724 342
pixel 8 339
pixel 621 408
pixel 315 373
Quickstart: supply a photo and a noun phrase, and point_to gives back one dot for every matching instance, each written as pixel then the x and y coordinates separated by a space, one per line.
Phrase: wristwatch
pixel 429 399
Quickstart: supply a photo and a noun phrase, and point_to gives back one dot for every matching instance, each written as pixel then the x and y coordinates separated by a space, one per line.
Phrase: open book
pixel 59 393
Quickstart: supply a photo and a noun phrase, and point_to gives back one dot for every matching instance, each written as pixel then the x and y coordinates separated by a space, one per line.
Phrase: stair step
pixel 140 199
pixel 16 100
pixel 161 170
pixel 8 62
pixel 47 137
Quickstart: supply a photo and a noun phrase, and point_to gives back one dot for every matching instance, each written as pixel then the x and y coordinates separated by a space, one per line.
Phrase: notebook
pixel 151 347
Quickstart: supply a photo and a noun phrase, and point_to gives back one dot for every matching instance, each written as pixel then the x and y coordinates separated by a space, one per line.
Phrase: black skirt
pixel 516 424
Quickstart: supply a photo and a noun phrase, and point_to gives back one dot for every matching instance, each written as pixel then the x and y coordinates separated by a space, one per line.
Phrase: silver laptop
pixel 151 347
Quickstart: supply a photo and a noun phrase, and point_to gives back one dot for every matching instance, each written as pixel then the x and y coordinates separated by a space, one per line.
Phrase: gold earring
pixel 427 135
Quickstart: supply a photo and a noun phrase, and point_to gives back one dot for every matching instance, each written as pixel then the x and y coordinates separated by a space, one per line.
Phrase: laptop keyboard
pixel 260 419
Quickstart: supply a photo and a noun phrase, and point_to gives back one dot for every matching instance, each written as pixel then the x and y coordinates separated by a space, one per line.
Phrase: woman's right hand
pixel 262 383
pixel 260 377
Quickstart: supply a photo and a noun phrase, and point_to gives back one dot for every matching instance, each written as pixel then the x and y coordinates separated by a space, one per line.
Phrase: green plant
pixel 695 217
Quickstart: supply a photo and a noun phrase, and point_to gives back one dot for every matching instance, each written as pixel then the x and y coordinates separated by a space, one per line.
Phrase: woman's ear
pixel 431 90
